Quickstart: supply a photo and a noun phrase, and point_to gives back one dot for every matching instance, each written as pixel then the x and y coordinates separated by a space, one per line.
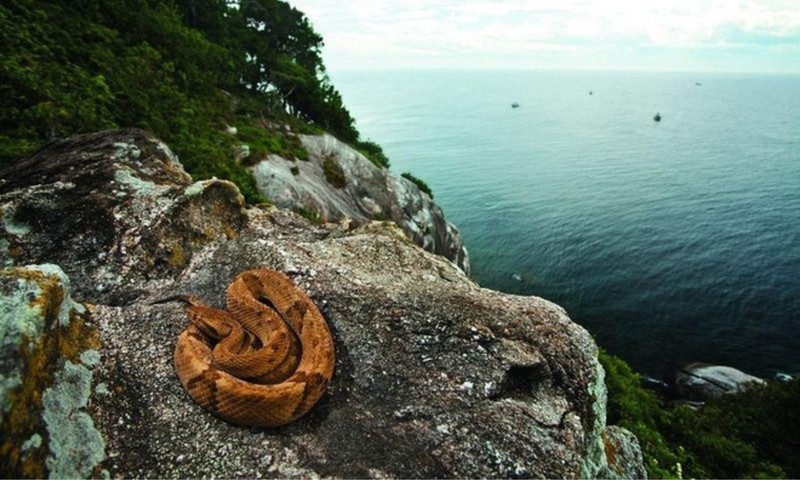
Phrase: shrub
pixel 334 173
pixel 309 214
pixel 263 141
pixel 419 183
pixel 639 410
pixel 373 152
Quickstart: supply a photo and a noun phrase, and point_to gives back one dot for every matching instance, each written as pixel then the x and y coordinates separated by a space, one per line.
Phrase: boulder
pixel 361 191
pixel 435 376
pixel 114 210
pixel 701 382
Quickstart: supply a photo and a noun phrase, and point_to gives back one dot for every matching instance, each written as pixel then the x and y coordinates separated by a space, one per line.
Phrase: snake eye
pixel 214 329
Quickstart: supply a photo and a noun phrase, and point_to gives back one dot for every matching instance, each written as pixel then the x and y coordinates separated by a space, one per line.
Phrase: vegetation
pixel 334 173
pixel 373 152
pixel 309 214
pixel 419 183
pixel 755 434
pixel 263 141
pixel 182 69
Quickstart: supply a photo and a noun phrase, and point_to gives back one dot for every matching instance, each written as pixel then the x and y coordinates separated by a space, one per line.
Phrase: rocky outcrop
pixel 435 376
pixel 701 381
pixel 358 190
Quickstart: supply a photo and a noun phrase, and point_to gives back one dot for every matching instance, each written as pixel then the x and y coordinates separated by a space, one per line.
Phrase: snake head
pixel 187 299
pixel 215 323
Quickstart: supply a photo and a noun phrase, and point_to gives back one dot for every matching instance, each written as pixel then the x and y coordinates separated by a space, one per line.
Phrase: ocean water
pixel 669 241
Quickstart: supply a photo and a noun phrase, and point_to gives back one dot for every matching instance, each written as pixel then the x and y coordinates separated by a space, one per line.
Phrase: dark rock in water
pixel 435 376
pixel 655 384
pixel 700 381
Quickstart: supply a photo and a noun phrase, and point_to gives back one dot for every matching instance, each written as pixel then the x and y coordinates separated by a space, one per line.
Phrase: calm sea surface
pixel 670 242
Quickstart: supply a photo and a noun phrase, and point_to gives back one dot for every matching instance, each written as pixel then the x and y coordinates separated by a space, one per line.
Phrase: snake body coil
pixel 266 361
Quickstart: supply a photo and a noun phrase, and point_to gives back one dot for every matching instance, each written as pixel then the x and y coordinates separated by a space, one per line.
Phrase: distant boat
pixel 515 105
pixel 590 92
pixel 657 118
pixel 698 84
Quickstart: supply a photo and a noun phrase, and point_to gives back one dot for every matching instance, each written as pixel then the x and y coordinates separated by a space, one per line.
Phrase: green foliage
pixel 755 434
pixel 43 94
pixel 283 53
pixel 333 172
pixel 639 410
pixel 201 156
pixel 373 152
pixel 309 214
pixel 418 182
pixel 182 69
pixel 263 141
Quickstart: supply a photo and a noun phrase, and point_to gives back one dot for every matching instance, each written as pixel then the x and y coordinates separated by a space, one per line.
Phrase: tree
pixel 283 52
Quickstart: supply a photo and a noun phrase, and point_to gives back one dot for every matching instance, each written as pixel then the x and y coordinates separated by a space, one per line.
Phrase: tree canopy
pixel 182 69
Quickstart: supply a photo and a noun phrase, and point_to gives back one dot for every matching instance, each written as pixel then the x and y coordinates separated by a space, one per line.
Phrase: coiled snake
pixel 266 361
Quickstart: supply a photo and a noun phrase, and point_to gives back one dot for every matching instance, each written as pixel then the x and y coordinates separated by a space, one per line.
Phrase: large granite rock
pixel 701 381
pixel 435 376
pixel 366 193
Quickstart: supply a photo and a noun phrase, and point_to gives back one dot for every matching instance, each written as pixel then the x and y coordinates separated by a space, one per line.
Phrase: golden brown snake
pixel 266 361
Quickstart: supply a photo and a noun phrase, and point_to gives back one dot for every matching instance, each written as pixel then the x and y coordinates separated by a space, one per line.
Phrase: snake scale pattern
pixel 265 361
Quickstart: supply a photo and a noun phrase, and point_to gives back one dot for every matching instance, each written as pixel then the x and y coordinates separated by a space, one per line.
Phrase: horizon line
pixel 566 69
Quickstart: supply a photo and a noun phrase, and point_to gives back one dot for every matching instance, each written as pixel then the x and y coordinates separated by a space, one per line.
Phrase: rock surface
pixel 700 381
pixel 368 193
pixel 435 376
pixel 47 353
pixel 623 453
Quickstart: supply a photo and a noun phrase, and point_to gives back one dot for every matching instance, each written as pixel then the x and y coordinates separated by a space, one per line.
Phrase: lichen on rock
pixel 41 327
pixel 76 447
pixel 22 323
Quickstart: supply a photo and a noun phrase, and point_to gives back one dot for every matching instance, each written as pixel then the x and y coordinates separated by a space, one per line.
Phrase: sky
pixel 660 35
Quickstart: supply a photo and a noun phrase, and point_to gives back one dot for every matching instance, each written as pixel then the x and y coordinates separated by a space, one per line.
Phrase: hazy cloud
pixel 569 33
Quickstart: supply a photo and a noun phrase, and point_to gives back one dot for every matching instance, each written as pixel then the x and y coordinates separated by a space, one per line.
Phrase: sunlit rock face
pixel 434 376
pixel 367 192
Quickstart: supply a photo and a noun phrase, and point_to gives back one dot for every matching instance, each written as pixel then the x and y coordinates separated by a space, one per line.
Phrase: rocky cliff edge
pixel 336 181
pixel 435 376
